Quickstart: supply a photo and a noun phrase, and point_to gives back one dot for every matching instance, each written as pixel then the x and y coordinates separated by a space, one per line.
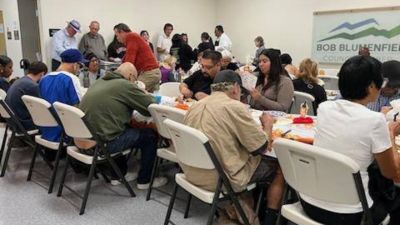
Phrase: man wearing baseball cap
pixel 390 87
pixel 62 40
pixel 237 140
pixel 63 86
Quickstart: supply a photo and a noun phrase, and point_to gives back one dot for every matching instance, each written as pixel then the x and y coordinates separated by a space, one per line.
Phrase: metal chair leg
pixel 64 174
pixel 236 202
pixel 153 175
pixel 3 170
pixel 171 205
pixel 118 172
pixel 214 204
pixel 33 162
pixel 87 190
pixel 3 144
pixel 187 206
pixel 54 174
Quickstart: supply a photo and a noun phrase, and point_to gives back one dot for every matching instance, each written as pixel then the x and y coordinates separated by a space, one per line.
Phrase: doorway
pixel 29 27
pixel 2 35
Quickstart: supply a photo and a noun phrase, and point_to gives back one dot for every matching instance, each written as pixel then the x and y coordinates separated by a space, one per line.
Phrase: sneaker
pixel 158 182
pixel 128 177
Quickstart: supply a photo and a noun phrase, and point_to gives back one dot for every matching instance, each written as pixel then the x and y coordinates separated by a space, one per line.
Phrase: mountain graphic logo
pixel 395 31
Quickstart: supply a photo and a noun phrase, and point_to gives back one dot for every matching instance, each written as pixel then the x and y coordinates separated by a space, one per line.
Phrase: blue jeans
pixel 144 139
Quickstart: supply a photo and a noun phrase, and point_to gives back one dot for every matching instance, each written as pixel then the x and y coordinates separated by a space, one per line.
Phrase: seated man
pixel 197 86
pixel 108 105
pixel 62 86
pixel 390 71
pixel 27 85
pixel 237 141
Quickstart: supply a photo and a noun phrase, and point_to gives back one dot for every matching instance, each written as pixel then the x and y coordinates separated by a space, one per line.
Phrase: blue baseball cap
pixel 72 56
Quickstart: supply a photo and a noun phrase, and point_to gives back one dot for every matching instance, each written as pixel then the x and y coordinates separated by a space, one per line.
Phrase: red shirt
pixel 139 53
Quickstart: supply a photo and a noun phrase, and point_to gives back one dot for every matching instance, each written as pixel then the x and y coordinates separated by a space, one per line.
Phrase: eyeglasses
pixel 207 67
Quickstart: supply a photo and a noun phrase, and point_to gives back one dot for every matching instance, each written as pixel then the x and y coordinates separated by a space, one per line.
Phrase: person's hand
pixel 267 121
pixel 186 92
pixel 386 109
pixel 117 60
pixel 255 94
pixel 394 129
pixel 180 99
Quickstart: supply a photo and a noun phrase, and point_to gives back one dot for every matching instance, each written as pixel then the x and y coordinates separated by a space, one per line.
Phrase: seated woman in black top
pixel 308 81
pixel 206 43
pixel 116 50
pixel 6 70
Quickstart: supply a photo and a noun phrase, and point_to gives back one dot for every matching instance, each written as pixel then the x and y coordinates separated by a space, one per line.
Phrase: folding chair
pixel 170 89
pixel 42 116
pixel 298 99
pixel 193 149
pixel 17 130
pixel 159 114
pixel 76 126
pixel 321 174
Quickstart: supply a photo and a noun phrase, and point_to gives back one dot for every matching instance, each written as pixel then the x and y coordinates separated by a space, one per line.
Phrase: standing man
pixel 93 42
pixel 223 41
pixel 164 42
pixel 62 40
pixel 140 55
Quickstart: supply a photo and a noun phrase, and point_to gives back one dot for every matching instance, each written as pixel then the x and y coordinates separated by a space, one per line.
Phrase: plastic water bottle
pixel 86 80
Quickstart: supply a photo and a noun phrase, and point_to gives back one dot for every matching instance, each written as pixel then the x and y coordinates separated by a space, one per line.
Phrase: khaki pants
pixel 151 79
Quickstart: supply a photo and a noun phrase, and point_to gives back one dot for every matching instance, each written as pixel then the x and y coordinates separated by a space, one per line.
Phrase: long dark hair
pixel 275 71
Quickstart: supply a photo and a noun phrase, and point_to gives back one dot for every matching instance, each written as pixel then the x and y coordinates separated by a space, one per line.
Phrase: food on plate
pixel 182 106
pixel 279 132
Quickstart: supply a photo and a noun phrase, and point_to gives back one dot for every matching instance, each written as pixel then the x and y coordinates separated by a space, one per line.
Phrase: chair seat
pixel 202 194
pixel 73 151
pixel 30 132
pixel 48 144
pixel 295 213
pixel 167 153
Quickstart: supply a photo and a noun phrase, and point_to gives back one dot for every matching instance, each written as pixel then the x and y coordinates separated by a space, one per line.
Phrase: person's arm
pixel 138 99
pixel 200 95
pixel 185 91
pixel 131 53
pixel 159 45
pixel 284 97
pixel 82 45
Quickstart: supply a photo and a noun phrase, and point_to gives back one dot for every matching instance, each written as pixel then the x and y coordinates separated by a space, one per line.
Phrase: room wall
pixel 189 16
pixel 284 24
pixel 11 22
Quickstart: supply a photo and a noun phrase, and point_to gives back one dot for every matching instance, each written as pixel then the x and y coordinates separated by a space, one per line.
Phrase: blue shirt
pixel 62 87
pixel 382 101
pixel 23 86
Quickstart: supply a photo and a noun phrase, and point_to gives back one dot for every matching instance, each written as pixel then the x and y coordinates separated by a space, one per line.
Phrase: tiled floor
pixel 26 203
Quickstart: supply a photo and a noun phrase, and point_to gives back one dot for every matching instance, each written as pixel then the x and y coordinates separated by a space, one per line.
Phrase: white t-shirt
pixel 224 43
pixel 164 42
pixel 357 132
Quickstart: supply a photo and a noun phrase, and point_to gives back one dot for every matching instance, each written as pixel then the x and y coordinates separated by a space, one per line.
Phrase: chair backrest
pixel 3 112
pixel 3 94
pixel 162 112
pixel 299 98
pixel 319 173
pixel 170 89
pixel 190 145
pixel 72 121
pixel 330 82
pixel 11 119
pixel 40 111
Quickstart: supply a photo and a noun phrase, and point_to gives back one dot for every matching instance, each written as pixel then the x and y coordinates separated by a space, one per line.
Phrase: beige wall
pixel 189 16
pixel 11 21
pixel 284 24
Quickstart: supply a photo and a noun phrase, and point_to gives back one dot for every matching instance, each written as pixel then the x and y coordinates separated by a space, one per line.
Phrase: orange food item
pixel 182 106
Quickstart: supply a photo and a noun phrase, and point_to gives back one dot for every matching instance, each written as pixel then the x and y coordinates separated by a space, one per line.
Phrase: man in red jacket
pixel 139 54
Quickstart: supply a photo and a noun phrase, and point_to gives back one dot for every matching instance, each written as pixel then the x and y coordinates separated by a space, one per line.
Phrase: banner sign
pixel 339 35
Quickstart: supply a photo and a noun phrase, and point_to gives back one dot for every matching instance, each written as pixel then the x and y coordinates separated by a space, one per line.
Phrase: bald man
pixel 109 105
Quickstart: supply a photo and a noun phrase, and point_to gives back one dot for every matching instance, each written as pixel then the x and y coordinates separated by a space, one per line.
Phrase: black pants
pixel 55 64
pixel 377 210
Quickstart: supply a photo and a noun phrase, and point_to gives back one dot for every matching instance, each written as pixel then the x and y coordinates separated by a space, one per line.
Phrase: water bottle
pixel 86 80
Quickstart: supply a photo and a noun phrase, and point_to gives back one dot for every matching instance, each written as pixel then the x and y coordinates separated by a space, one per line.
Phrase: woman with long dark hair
pixel 274 89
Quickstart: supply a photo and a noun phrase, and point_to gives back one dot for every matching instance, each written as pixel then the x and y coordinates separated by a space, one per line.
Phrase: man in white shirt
pixel 62 40
pixel 223 41
pixel 164 42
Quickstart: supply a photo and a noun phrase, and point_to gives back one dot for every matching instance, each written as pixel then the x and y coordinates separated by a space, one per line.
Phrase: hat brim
pixel 76 29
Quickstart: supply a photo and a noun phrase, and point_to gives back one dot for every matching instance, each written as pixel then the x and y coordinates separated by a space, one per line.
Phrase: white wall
pixel 189 16
pixel 284 24
pixel 11 22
